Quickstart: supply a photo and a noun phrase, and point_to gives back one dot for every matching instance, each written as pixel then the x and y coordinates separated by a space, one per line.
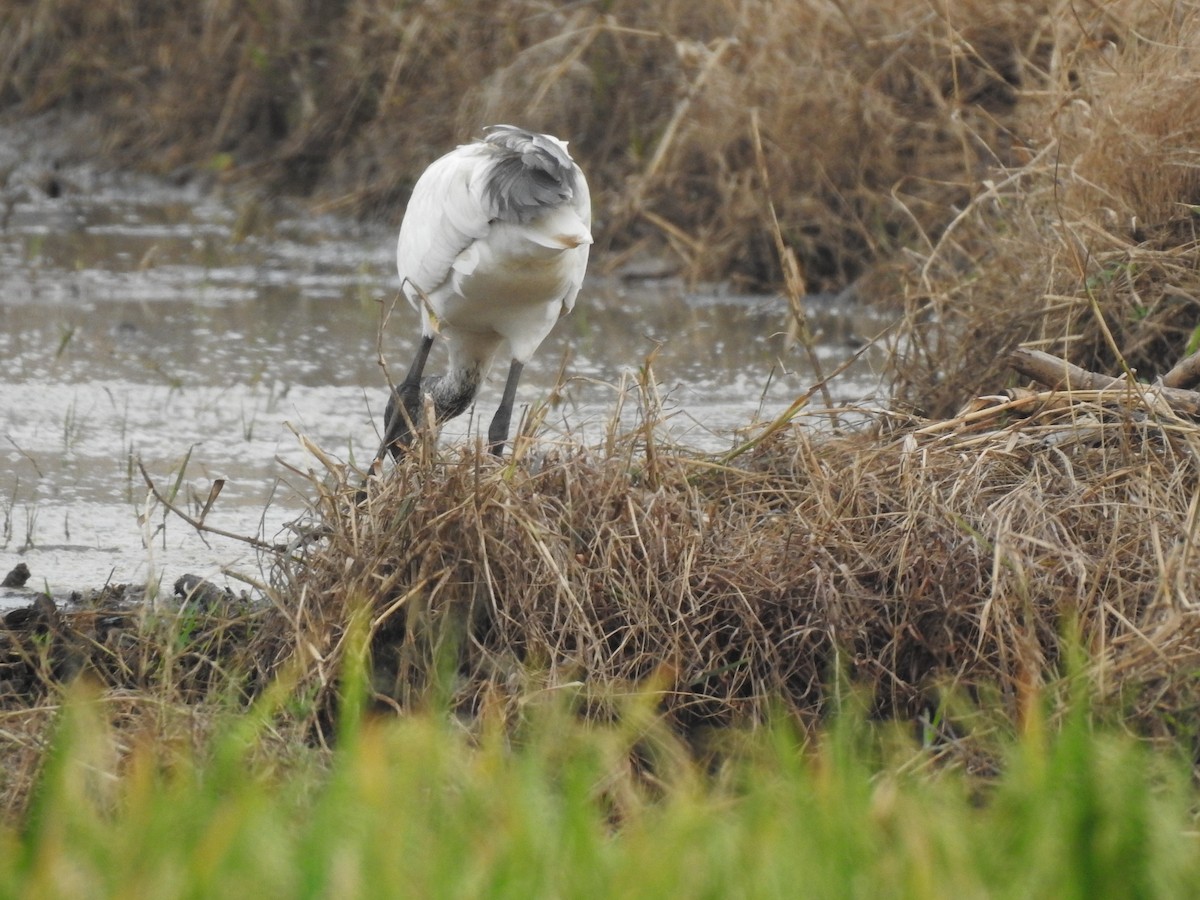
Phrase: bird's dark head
pixel 531 173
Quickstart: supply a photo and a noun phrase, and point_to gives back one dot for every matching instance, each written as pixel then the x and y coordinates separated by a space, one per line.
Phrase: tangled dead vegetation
pixel 1088 249
pixel 927 561
pixel 877 119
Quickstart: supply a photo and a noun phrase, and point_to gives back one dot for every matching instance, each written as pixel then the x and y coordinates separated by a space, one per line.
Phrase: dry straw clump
pixel 925 561
pixel 1089 249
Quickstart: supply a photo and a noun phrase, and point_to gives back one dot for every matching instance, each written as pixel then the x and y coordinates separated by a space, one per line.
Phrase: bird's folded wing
pixel 441 221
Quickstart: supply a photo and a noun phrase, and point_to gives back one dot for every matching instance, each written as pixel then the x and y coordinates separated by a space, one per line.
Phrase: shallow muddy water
pixel 138 324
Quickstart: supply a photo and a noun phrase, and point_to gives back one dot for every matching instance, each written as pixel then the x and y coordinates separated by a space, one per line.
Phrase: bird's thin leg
pixel 404 407
pixel 498 430
pixel 400 417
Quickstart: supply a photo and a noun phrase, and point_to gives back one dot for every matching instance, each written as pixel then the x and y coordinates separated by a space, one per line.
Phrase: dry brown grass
pixel 925 561
pixel 1089 250
pixel 166 674
pixel 876 118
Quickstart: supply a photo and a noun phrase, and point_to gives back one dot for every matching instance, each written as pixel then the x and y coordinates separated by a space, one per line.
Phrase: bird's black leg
pixel 400 417
pixel 404 406
pixel 498 430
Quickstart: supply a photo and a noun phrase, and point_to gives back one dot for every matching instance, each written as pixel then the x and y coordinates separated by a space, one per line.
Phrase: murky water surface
pixel 137 328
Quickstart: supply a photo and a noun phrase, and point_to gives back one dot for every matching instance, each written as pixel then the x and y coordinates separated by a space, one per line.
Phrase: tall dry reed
pixel 1089 249
pixel 876 118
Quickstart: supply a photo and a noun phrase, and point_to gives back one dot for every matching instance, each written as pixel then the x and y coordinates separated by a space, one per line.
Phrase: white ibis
pixel 492 251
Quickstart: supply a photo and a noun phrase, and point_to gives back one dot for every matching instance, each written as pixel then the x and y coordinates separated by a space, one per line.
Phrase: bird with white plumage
pixel 492 252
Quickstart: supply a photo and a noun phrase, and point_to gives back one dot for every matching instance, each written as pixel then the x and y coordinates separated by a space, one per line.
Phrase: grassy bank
pixel 1088 249
pixel 927 561
pixel 558 808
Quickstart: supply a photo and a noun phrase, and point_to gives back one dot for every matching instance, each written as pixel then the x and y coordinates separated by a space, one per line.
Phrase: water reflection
pixel 134 326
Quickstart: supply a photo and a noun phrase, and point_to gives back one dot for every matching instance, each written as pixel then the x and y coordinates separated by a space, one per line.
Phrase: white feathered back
pixel 496 236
